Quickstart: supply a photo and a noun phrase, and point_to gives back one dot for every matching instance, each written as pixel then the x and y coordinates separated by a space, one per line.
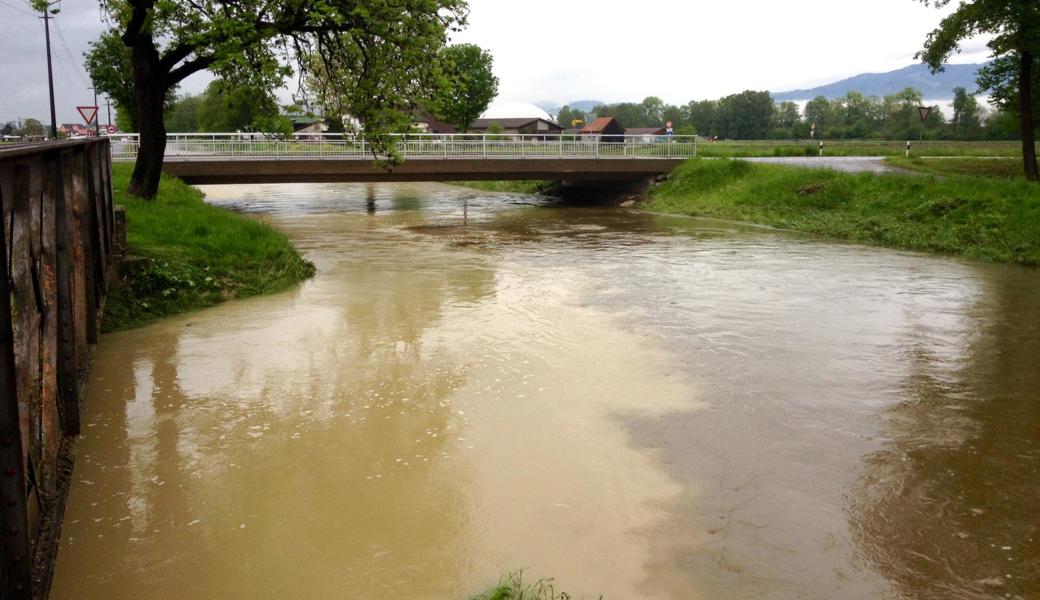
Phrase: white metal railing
pixel 244 146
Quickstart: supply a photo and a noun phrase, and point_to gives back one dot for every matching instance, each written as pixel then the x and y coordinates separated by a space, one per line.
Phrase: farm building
pixel 516 118
pixel 603 129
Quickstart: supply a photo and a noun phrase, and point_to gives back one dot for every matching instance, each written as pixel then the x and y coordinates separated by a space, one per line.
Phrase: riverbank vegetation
pixel 185 254
pixel 1000 168
pixel 513 587
pixel 519 187
pixel 985 218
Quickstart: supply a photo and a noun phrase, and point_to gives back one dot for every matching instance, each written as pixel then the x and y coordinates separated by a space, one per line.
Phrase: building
pixel 604 129
pixel 75 130
pixel 425 122
pixel 305 124
pixel 516 118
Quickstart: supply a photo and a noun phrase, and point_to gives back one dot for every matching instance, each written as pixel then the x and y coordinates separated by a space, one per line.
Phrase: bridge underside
pixel 222 171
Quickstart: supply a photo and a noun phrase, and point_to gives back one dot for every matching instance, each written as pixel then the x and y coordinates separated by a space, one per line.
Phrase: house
pixel 604 129
pixel 305 124
pixel 425 122
pixel 75 130
pixel 647 135
pixel 518 126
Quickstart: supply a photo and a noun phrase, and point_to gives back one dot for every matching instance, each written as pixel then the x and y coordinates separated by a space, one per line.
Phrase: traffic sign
pixel 88 113
pixel 111 129
pixel 924 111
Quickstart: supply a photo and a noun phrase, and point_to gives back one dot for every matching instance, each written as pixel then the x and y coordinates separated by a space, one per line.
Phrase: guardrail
pixel 208 146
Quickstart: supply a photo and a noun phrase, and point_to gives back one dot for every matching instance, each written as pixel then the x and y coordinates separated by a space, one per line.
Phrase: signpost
pixel 89 113
pixel 111 129
pixel 923 112
pixel 668 128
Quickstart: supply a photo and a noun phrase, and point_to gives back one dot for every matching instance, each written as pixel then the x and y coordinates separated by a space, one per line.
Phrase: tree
pixel 369 59
pixel 746 116
pixel 1015 29
pixel 183 116
pixel 227 107
pixel 32 128
pixel 469 86
pixel 567 116
pixel 787 115
pixel 820 111
pixel 966 123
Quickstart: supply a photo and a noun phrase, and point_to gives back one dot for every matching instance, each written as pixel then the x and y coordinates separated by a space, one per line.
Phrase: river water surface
pixel 640 406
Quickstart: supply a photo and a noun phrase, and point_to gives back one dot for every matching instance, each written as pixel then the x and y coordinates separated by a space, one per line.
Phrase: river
pixel 637 405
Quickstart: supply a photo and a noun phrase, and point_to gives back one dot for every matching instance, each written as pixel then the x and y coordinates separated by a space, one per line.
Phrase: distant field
pixel 743 148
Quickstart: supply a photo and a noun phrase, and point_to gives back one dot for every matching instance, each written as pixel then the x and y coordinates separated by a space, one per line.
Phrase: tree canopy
pixel 469 85
pixel 1014 27
pixel 366 58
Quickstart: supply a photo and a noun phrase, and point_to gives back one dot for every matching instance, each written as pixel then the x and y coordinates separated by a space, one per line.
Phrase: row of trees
pixel 754 115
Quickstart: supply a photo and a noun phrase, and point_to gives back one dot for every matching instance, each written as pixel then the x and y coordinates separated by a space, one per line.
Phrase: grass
pixel 983 218
pixel 512 587
pixel 520 187
pixel 999 168
pixel 192 255
pixel 746 148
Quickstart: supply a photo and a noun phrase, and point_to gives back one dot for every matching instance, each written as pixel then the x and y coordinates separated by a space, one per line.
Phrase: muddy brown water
pixel 640 406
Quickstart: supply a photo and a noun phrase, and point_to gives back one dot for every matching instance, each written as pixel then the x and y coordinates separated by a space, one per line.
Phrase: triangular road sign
pixel 88 113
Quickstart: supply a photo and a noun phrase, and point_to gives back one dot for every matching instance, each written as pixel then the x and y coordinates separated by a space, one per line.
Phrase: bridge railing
pixel 208 146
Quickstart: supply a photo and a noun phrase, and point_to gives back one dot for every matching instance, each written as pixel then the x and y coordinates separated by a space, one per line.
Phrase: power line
pixel 15 8
pixel 64 44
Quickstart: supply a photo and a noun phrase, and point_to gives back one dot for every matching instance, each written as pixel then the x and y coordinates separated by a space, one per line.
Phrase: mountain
pixel 938 86
pixel 582 105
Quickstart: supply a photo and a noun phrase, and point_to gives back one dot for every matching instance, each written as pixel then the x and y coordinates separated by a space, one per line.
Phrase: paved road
pixel 852 164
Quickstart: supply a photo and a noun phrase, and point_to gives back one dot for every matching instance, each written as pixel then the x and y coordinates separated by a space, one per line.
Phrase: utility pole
pixel 97 117
pixel 108 105
pixel 50 73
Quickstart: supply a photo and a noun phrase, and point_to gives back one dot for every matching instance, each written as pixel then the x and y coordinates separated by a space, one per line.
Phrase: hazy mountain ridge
pixel 938 86
pixel 583 105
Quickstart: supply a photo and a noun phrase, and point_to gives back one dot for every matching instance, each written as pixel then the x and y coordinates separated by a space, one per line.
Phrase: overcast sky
pixel 563 50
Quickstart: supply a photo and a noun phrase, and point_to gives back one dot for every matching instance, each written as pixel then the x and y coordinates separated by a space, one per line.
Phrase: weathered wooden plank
pixel 15 563
pixel 68 390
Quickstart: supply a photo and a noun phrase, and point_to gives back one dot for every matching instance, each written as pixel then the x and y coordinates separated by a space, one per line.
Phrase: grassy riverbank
pixel 520 187
pixel 984 218
pixel 1000 168
pixel 192 255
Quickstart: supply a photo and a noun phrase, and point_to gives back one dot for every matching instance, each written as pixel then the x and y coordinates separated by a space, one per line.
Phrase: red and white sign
pixel 88 113
pixel 111 129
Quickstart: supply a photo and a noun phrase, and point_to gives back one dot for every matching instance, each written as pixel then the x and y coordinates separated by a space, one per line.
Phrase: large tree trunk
pixel 1025 110
pixel 150 84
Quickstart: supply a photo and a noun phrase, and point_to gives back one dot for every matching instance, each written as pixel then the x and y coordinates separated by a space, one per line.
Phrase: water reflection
pixel 948 508
pixel 638 405
pixel 415 421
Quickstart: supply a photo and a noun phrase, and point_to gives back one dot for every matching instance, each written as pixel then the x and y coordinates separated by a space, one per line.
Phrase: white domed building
pixel 516 118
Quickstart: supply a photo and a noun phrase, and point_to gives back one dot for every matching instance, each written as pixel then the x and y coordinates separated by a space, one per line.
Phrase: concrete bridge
pixel 254 158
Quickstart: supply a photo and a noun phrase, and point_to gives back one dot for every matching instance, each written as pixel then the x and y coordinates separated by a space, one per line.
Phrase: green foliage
pixel 519 187
pixel 468 87
pixel 982 218
pixel 512 587
pixel 229 107
pixel 193 255
pixel 967 122
pixel 31 128
pixel 110 68
pixel 568 115
pixel 1013 28
pixel 183 115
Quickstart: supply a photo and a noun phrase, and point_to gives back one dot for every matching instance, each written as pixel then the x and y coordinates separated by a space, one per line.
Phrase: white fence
pixel 244 146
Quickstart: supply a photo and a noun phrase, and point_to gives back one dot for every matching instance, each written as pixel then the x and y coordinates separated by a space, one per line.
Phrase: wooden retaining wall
pixel 55 251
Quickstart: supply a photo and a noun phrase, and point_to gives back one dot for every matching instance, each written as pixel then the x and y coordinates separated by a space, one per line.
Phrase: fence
pixel 55 248
pixel 207 146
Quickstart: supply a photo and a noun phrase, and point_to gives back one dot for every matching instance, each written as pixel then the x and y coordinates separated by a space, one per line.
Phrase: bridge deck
pixel 302 170
pixel 253 158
